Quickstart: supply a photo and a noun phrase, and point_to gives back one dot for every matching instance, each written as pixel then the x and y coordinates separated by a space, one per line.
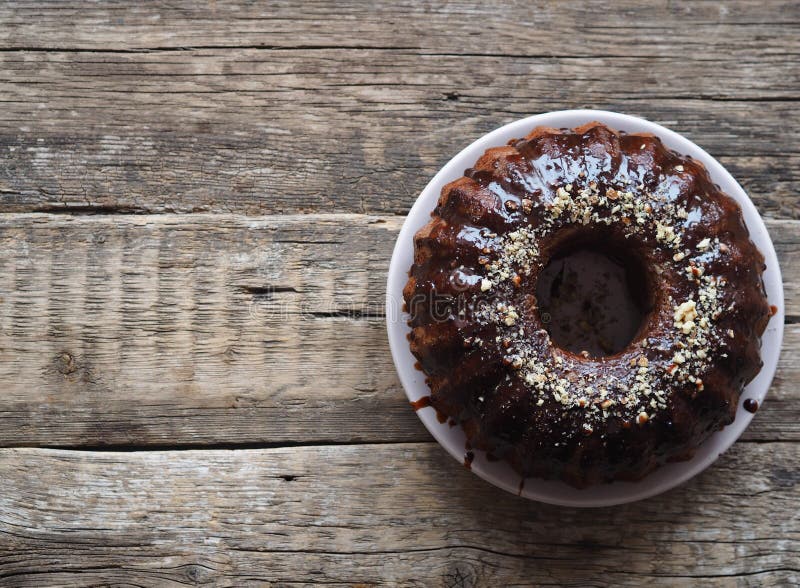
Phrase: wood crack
pixel 230 446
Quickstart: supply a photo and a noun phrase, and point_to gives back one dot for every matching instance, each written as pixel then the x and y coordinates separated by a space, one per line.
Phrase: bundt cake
pixel 565 397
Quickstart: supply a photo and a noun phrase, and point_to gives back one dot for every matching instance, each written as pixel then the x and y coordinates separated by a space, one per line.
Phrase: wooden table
pixel 199 205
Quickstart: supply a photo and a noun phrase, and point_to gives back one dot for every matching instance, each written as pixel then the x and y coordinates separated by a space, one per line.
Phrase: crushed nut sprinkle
pixel 685 314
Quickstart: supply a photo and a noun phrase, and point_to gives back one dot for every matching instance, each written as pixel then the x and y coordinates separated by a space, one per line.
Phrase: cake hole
pixel 592 298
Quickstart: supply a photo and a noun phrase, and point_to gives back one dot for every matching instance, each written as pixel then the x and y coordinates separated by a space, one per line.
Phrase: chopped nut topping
pixel 685 313
pixel 696 271
pixel 666 233
pixel 486 285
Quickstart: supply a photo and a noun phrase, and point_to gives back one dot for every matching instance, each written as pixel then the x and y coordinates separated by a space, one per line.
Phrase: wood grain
pixel 396 514
pixel 175 109
pixel 592 28
pixel 186 330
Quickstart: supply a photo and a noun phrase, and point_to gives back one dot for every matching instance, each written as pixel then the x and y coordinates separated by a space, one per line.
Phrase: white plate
pixel 499 473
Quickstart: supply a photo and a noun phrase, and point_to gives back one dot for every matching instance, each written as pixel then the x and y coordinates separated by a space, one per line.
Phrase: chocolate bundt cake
pixel 489 274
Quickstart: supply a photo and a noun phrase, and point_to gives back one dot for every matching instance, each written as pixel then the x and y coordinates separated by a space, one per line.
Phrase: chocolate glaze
pixel 751 405
pixel 423 402
pixel 469 456
pixel 474 385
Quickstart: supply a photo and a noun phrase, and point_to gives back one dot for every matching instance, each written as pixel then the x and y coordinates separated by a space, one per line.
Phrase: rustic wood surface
pixel 197 208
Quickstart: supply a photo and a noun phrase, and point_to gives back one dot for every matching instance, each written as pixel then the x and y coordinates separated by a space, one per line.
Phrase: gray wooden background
pixel 199 202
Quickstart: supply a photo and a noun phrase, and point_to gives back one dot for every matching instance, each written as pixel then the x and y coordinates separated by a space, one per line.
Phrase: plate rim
pixel 499 473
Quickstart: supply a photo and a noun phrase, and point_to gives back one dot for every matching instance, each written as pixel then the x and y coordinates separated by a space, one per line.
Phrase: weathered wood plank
pixel 260 131
pixel 181 321
pixel 399 514
pixel 174 329
pixel 596 27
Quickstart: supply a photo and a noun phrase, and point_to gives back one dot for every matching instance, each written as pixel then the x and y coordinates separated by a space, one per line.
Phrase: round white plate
pixel 499 473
